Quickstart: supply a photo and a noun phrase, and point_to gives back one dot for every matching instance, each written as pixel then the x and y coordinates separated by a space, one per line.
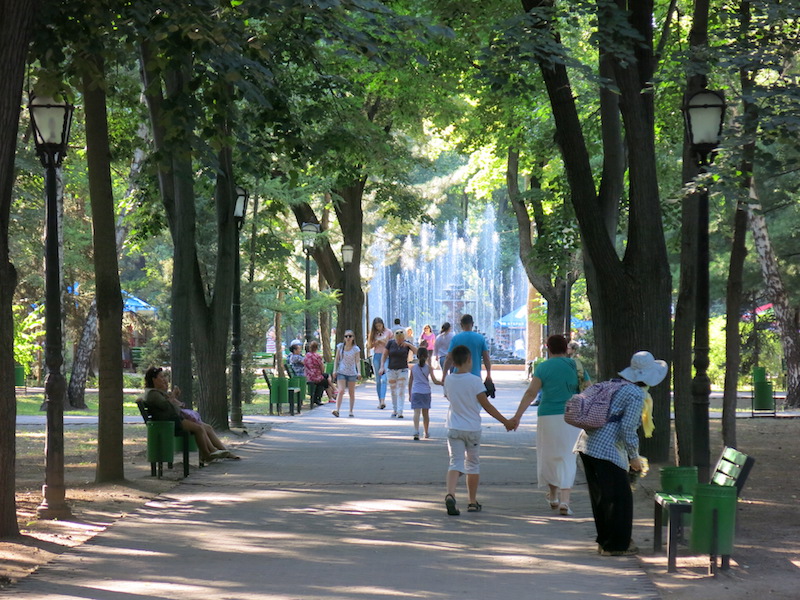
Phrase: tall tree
pixel 15 33
pixel 685 308
pixel 108 292
pixel 630 295
pixel 552 283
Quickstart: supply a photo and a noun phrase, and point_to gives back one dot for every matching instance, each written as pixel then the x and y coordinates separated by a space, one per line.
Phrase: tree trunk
pixel 733 312
pixel 630 297
pixel 175 179
pixel 344 278
pixel 82 361
pixel 212 325
pixel 15 31
pixel 110 435
pixel 733 297
pixel 324 323
pixel 551 286
pixel 683 350
pixel 279 340
pixel 776 292
pixel 351 219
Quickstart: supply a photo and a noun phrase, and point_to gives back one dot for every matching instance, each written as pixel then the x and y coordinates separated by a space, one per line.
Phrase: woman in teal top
pixel 557 379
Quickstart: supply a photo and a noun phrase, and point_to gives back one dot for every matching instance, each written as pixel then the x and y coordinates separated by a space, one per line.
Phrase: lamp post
pixel 51 120
pixel 704 114
pixel 347 254
pixel 239 212
pixel 309 231
pixel 347 260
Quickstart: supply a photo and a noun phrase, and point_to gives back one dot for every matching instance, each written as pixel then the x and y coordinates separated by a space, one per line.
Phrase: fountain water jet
pixel 436 281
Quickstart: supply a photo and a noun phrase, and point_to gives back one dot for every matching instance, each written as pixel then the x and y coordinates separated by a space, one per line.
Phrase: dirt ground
pixel 765 562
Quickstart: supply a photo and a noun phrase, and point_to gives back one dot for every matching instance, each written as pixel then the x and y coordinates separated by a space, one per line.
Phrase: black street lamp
pixel 239 212
pixel 704 112
pixel 309 231
pixel 51 121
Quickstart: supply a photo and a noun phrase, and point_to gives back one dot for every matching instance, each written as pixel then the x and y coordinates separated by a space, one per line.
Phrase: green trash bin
pixel 160 445
pixel 709 498
pixel 178 444
pixel 678 480
pixel 763 399
pixel 279 390
pixel 19 376
pixel 329 368
pixel 759 374
pixel 299 383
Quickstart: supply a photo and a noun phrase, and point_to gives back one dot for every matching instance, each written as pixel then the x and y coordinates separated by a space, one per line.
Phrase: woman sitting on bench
pixel 164 405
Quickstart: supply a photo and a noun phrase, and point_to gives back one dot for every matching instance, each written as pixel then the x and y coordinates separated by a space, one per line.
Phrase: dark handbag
pixel 490 389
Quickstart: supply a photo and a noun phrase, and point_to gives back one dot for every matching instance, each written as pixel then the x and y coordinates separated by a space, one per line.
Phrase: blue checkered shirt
pixel 617 442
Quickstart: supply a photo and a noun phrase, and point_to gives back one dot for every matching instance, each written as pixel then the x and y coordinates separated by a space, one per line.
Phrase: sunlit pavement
pixel 350 508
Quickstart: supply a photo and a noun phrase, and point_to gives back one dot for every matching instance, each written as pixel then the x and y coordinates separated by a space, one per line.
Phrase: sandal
pixel 564 509
pixel 335 413
pixel 553 502
pixel 450 503
pixel 474 507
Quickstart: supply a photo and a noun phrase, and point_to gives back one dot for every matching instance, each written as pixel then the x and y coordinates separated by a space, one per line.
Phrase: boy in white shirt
pixel 466 394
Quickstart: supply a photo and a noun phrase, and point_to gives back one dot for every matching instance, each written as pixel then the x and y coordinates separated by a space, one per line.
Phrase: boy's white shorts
pixel 464 448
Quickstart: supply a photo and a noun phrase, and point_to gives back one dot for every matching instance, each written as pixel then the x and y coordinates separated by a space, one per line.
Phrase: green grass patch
pixel 30 405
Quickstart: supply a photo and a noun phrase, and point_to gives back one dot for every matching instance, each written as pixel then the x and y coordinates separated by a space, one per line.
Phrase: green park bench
pixel 712 527
pixel 161 443
pixel 284 390
pixel 263 359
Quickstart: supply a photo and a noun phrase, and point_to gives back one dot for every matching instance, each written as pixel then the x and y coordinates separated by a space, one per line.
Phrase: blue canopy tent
pixel 517 319
pixel 513 320
pixel 137 305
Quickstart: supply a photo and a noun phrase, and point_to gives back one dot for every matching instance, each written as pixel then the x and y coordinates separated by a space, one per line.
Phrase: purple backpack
pixel 589 409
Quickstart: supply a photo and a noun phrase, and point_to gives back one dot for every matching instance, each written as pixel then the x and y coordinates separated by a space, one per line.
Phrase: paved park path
pixel 322 508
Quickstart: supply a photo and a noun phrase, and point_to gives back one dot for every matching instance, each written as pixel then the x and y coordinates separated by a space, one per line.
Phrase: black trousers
pixel 612 502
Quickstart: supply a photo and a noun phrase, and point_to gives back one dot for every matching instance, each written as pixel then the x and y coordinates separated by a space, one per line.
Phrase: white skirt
pixel 555 462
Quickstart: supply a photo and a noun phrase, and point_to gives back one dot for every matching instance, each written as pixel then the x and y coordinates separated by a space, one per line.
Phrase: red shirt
pixel 314 367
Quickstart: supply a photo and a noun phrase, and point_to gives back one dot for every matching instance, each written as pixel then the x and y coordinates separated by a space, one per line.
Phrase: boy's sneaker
pixel 400 416
pixel 416 436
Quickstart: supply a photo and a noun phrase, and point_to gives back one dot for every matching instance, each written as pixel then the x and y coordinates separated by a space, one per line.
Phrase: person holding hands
pixel 419 390
pixel 466 394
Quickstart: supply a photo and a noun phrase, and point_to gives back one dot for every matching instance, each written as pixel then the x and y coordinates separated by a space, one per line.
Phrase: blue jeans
pixel 380 380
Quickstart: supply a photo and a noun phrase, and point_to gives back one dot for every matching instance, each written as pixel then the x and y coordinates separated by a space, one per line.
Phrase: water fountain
pixel 438 278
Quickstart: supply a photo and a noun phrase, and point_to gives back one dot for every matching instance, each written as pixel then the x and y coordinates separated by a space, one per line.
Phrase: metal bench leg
pixel 672 538
pixel 185 456
pixel 658 523
pixel 712 559
pixel 153 471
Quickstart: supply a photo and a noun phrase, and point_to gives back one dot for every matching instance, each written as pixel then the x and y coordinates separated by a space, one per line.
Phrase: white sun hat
pixel 645 369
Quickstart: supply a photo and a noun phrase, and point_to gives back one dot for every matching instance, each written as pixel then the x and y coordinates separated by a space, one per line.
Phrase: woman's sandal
pixel 474 507
pixel 335 413
pixel 450 503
